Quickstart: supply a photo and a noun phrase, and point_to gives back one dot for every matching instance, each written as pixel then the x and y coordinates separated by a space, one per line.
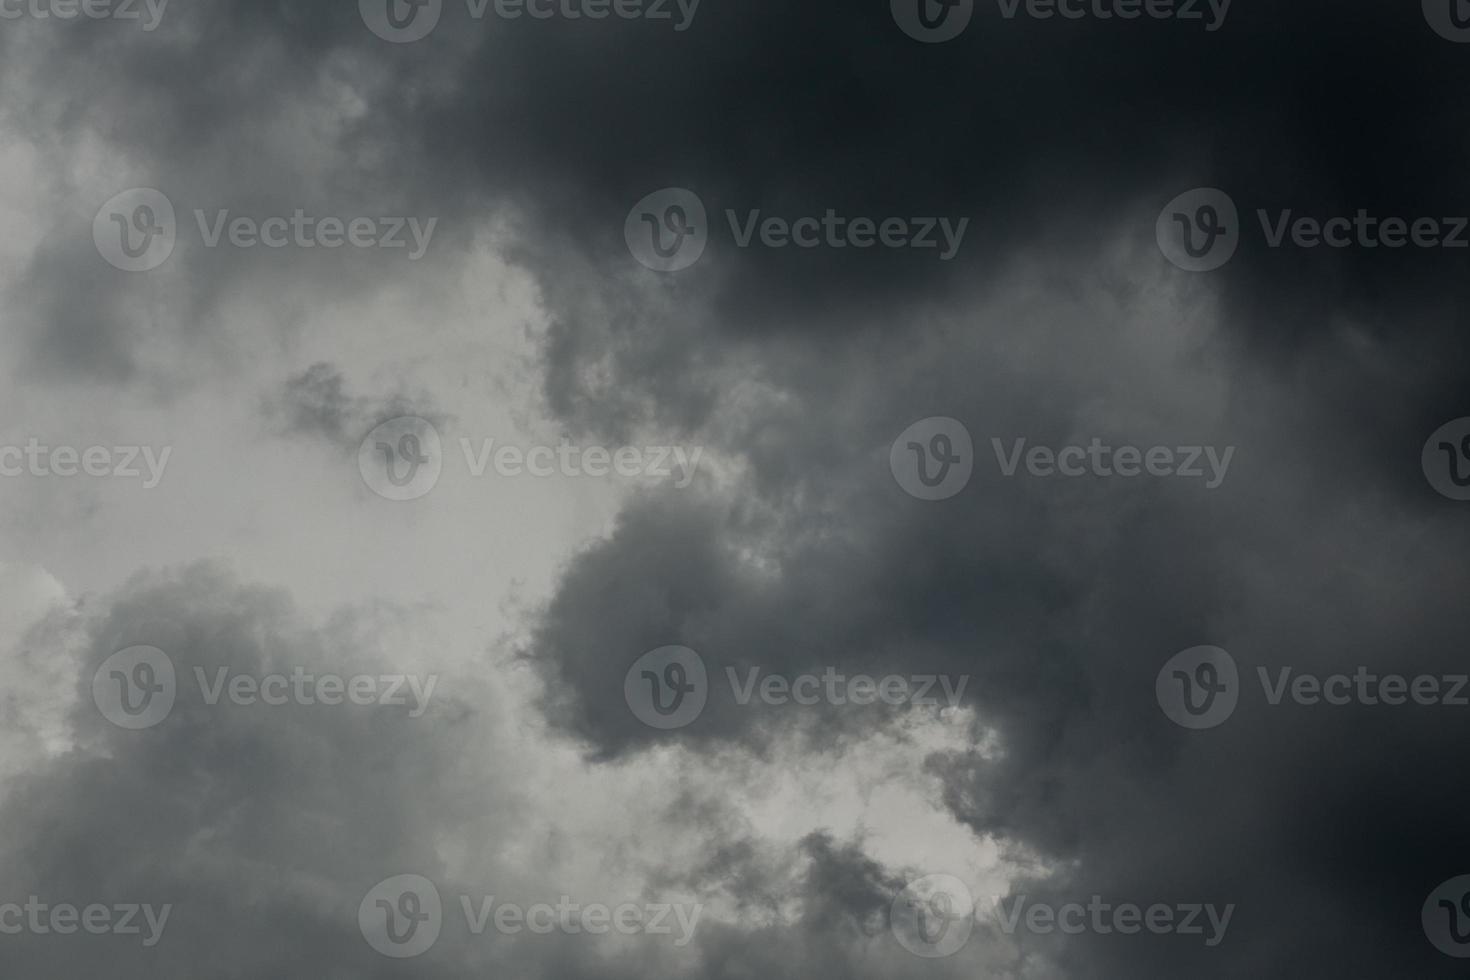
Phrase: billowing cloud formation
pixel 1316 545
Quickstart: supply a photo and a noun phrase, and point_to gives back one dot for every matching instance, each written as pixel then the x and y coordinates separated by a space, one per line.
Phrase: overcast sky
pixel 451 351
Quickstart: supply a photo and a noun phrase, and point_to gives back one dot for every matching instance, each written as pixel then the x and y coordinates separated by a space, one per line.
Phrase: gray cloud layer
pixel 1057 322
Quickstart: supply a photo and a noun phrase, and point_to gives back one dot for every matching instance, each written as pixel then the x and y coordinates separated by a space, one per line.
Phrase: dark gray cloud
pixel 1063 599
pixel 1057 321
